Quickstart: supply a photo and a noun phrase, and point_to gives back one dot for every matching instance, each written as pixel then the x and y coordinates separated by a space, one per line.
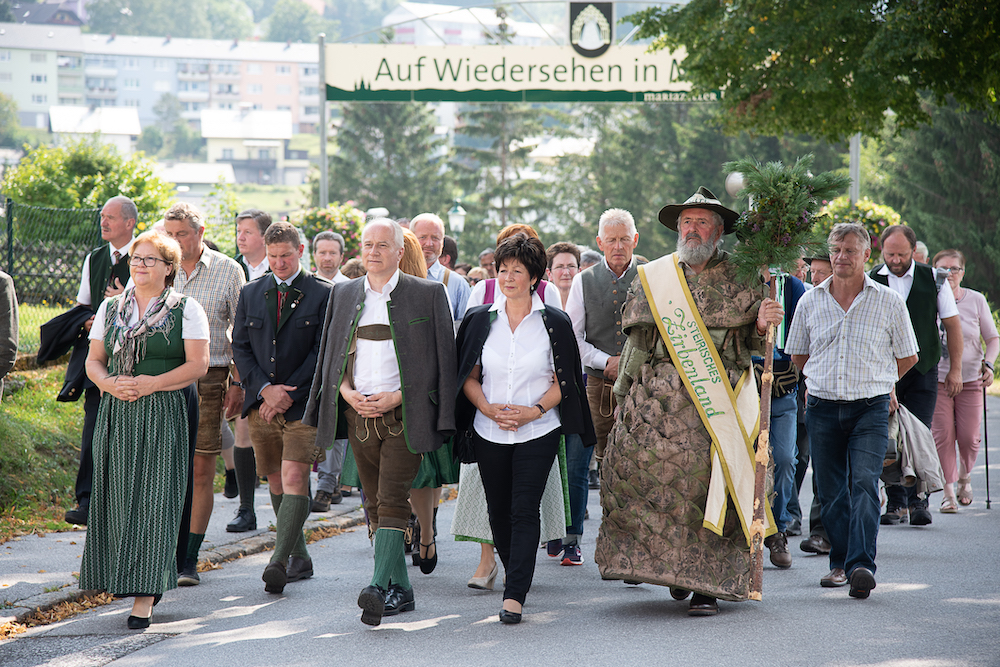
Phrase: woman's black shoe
pixel 138 623
pixel 509 617
pixel 427 564
pixel 703 605
pixel 157 598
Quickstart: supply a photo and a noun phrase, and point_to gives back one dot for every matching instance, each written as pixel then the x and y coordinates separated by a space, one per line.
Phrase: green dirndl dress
pixel 140 475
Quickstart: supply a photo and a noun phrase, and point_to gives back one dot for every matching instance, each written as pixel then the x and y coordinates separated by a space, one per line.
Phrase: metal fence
pixel 43 250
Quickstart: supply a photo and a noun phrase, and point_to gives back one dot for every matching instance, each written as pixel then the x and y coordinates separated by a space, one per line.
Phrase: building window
pixel 257 107
pixel 4 55
pixel 132 103
pixel 310 90
pixel 284 107
pixel 227 153
pixel 310 70
pixel 253 68
pixel 161 65
pixel 131 63
pixel 39 57
pixel 131 84
pixel 161 86
pixel 310 111
pixel 5 76
pixel 283 69
pixel 69 101
pixel 283 89
pixel 255 89
pixel 264 154
pixel 39 99
pixel 224 105
pixel 39 78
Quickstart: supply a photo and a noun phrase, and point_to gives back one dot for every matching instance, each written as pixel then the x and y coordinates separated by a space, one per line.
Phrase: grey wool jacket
pixel 423 334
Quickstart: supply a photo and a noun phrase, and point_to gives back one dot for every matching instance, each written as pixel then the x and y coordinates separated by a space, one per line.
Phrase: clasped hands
pixel 374 405
pixel 128 388
pixel 510 417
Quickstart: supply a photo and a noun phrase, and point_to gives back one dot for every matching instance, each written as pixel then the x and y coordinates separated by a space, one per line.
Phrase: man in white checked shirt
pixel 853 340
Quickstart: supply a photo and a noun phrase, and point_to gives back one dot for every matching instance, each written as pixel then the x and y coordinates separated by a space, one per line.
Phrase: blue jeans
pixel 847 440
pixel 785 452
pixel 577 467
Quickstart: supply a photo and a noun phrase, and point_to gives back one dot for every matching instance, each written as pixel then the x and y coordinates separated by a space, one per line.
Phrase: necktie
pixel 282 293
pixel 118 256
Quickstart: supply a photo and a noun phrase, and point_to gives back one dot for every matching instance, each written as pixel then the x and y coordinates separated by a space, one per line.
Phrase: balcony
pixel 225 75
pixel 224 94
pixel 100 71
pixel 249 165
pixel 103 93
pixel 192 75
pixel 193 95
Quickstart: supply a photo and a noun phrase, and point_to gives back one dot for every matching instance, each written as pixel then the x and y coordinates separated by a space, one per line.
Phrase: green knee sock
pixel 299 548
pixel 292 513
pixel 194 546
pixel 390 560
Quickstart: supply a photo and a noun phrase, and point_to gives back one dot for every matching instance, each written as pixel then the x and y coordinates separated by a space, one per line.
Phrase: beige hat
pixel 701 199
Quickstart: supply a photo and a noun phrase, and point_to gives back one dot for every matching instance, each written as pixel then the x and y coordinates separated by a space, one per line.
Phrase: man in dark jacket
pixel 276 340
pixel 387 367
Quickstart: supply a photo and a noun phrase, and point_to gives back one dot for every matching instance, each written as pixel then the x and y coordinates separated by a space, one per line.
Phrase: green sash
pixel 725 412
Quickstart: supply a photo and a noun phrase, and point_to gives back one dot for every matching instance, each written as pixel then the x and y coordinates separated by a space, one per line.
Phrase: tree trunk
pixel 761 459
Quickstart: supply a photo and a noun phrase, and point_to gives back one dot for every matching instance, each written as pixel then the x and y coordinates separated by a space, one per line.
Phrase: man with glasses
pixel 214 281
pixel 853 340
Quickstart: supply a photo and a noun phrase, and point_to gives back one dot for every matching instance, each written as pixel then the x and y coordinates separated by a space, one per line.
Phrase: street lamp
pixel 734 183
pixel 456 218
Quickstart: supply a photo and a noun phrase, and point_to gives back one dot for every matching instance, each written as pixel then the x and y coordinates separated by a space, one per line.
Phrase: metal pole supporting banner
pixel 324 164
pixel 854 190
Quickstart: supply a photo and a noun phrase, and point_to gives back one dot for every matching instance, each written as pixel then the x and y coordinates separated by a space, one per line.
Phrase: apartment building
pixel 47 65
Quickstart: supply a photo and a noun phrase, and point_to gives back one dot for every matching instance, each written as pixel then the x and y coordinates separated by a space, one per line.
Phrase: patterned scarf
pixel 129 341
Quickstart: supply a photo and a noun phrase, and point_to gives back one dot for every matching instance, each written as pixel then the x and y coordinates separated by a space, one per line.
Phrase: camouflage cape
pixel 655 474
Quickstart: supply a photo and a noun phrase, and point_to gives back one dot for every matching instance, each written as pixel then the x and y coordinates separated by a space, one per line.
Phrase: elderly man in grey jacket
pixel 8 327
pixel 387 368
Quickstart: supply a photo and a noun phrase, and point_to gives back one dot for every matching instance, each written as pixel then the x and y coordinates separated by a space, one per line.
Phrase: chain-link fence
pixel 43 250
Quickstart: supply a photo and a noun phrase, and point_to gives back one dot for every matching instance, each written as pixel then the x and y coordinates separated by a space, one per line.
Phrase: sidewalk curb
pixel 254 544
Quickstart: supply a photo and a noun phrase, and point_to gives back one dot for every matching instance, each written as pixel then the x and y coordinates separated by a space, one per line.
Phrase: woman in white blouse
pixel 519 369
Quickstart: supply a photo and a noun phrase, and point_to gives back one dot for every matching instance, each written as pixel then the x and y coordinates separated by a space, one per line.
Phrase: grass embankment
pixel 39 453
pixel 30 318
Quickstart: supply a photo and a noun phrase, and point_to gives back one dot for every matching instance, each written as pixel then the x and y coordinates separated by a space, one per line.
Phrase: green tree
pixel 151 140
pixel 6 15
pixel 294 20
pixel 389 156
pixel 178 18
pixel 85 174
pixel 358 16
pixel 831 69
pixel 180 140
pixel 10 125
pixel 229 19
pixel 943 180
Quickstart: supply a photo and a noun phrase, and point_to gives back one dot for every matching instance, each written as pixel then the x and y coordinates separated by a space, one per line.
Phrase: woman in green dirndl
pixel 147 345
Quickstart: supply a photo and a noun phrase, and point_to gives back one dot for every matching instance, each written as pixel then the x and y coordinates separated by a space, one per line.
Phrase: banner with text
pixel 404 73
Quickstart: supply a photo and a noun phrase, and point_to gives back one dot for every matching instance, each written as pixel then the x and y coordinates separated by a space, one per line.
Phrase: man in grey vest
pixel 918 389
pixel 595 306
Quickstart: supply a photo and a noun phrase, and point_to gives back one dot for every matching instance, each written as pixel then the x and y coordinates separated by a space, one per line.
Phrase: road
pixel 937 604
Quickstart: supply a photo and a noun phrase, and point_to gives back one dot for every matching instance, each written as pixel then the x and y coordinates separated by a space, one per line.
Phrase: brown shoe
pixel 299 568
pixel 778 545
pixel 321 501
pixel 815 544
pixel 835 579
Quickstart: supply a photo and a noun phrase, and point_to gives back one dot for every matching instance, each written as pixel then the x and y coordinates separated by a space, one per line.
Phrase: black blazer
pixel 59 335
pixel 574 411
pixel 288 355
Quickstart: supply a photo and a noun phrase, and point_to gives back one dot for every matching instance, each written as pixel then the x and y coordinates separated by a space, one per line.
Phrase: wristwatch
pixel 540 409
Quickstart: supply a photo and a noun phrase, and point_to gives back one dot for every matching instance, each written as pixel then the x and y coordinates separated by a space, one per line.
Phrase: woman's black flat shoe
pixel 138 623
pixel 427 565
pixel 509 617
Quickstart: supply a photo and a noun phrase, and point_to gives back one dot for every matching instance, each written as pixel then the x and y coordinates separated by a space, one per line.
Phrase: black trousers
pixel 191 394
pixel 85 473
pixel 918 392
pixel 514 479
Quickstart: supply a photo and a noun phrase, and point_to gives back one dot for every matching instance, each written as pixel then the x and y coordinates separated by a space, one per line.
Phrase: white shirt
pixel 457 289
pixel 852 355
pixel 589 355
pixel 902 285
pixel 517 368
pixel 195 326
pixel 339 278
pixel 376 368
pixel 83 295
pixel 291 279
pixel 478 295
pixel 256 271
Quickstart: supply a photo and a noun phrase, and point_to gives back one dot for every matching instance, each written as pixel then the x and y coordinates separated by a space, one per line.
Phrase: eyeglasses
pixel 148 262
pixel 951 269
pixel 564 267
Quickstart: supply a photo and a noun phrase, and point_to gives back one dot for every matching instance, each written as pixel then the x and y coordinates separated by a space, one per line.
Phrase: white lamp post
pixel 456 218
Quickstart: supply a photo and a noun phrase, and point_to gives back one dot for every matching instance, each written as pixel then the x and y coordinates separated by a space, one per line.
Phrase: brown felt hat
pixel 701 199
pixel 810 260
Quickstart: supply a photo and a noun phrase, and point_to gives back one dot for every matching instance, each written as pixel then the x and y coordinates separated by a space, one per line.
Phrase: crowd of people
pixel 530 379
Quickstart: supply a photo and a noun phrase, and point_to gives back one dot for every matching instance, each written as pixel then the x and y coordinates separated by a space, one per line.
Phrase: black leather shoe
pixel 372 603
pixel 398 599
pixel 299 568
pixel 78 515
pixel 138 623
pixel 815 544
pixel 862 583
pixel 703 605
pixel 245 520
pixel 919 516
pixel 275 577
pixel 679 593
pixel 427 563
pixel 509 617
pixel 231 489
pixel 893 517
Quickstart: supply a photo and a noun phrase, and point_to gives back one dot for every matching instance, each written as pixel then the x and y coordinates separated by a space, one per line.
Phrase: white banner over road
pixel 396 72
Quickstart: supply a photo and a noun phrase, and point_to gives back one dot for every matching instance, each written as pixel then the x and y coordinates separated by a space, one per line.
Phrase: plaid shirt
pixel 215 283
pixel 852 355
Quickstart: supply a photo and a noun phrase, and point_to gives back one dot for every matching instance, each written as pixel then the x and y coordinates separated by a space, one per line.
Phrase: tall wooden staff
pixel 774 231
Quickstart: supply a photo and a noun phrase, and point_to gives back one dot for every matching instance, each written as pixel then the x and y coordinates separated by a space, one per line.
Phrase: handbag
pixel 462 449
pixel 786 376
